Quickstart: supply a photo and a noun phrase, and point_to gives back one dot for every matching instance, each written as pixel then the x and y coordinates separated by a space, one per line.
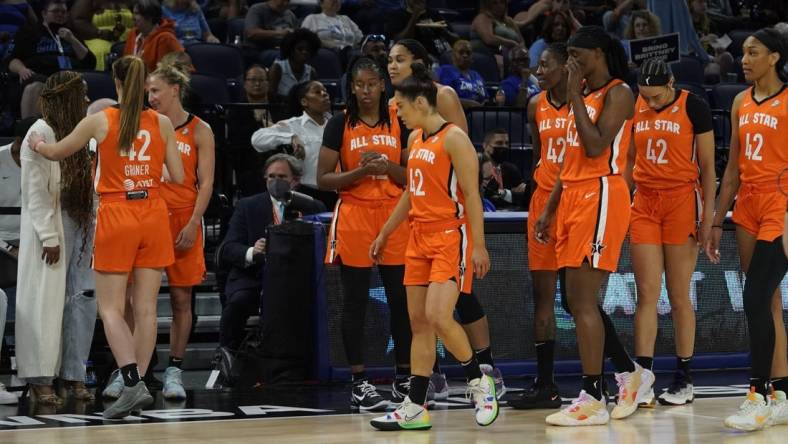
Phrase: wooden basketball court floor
pixel 700 422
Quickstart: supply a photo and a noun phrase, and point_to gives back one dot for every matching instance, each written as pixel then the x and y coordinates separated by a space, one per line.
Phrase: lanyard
pixel 138 49
pixel 56 38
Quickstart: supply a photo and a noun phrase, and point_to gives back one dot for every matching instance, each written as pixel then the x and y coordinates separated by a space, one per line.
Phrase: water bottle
pixel 90 374
pixel 237 40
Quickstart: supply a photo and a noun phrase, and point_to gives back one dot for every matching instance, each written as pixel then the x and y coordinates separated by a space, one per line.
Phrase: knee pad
pixel 469 309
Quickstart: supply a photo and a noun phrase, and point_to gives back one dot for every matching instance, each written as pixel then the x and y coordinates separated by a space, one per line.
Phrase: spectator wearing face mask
pixel 502 182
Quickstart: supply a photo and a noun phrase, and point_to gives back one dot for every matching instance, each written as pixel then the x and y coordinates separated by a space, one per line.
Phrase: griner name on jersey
pixel 136 170
pixel 377 139
pixel 659 125
pixel 759 119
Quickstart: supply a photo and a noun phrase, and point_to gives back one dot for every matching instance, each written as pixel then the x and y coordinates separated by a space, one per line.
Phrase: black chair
pixel 486 65
pixel 115 52
pixel 688 70
pixel 100 85
pixel 210 90
pixel 462 29
pixel 722 95
pixel 484 119
pixel 695 89
pixel 223 61
pixel 738 36
pixel 327 64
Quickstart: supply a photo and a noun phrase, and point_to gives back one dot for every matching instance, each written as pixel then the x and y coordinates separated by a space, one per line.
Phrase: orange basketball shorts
pixel 760 209
pixel 355 226
pixel 541 257
pixel 131 234
pixel 593 222
pixel 188 269
pixel 667 217
pixel 439 252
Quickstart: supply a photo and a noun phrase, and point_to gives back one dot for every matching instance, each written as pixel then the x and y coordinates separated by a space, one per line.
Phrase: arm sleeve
pixel 699 114
pixel 334 132
pixel 267 139
pixel 35 189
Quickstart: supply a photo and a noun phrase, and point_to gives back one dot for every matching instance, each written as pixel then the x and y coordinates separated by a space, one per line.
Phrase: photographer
pixel 244 246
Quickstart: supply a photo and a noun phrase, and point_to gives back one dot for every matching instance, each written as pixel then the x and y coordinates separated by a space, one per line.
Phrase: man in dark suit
pixel 244 246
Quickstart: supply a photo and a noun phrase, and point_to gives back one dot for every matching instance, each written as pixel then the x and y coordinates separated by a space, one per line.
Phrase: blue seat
pixel 695 89
pixel 688 70
pixel 327 64
pixel 738 36
pixel 482 120
pixel 486 66
pixel 210 90
pixel 221 61
pixel 722 95
pixel 100 85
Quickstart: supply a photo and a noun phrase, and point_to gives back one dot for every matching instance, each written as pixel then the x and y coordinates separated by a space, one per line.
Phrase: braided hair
pixel 364 63
pixel 654 72
pixel 63 105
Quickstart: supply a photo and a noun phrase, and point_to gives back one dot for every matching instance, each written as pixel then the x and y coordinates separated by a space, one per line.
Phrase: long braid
pixel 63 105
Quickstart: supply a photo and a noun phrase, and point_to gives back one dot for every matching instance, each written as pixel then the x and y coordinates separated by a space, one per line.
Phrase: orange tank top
pixel 435 194
pixel 382 139
pixel 138 168
pixel 184 195
pixel 762 152
pixel 577 166
pixel 551 123
pixel 666 153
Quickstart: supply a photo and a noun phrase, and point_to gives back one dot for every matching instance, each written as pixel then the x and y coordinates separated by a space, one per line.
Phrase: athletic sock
pixel 130 374
pixel 471 367
pixel 646 362
pixel 761 385
pixel 484 356
pixel 592 384
pixel 418 389
pixel 175 362
pixel 359 377
pixel 683 367
pixel 545 352
pixel 781 384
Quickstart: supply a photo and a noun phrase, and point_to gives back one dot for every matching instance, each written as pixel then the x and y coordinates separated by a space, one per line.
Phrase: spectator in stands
pixel 101 23
pixel 6 398
pixel 268 23
pixel 520 85
pixel 153 37
pixel 371 15
pixel 616 20
pixel 674 16
pixel 373 46
pixel 190 23
pixel 459 75
pixel 557 28
pixel 44 48
pixel 502 182
pixel 492 29
pixel 303 134
pixel 415 21
pixel 336 31
pixel 13 16
pixel 256 89
pixel 244 248
pixel 723 62
pixel 291 68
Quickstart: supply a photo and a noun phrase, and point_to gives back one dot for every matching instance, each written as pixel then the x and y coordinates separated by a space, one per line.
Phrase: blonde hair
pixel 174 71
pixel 130 71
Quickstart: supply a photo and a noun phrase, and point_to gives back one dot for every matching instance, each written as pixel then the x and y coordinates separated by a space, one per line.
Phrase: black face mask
pixel 499 155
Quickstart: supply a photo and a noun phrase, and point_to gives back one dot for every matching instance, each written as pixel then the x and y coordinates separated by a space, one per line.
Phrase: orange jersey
pixel 382 139
pixel 762 154
pixel 551 123
pixel 435 194
pixel 666 154
pixel 138 168
pixel 184 195
pixel 577 166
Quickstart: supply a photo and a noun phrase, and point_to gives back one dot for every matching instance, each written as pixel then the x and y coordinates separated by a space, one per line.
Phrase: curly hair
pixel 63 105
pixel 653 24
pixel 294 38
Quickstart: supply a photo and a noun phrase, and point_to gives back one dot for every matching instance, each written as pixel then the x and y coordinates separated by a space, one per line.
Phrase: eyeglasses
pixel 373 38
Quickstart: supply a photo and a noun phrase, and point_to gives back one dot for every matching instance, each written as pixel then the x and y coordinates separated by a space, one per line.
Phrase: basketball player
pixel 470 311
pixel 547 117
pixel 132 233
pixel 186 205
pixel 671 215
pixel 367 143
pixel 594 216
pixel 759 118
pixel 444 248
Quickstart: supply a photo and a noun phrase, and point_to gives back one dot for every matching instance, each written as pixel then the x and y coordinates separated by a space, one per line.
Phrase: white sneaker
pixel 649 400
pixel 633 387
pixel 679 393
pixel 779 409
pixel 7 397
pixel 753 414
pixel 497 376
pixel 408 416
pixel 482 393
pixel 173 384
pixel 584 411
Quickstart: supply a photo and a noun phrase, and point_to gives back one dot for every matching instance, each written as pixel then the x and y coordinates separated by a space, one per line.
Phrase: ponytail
pixel 130 71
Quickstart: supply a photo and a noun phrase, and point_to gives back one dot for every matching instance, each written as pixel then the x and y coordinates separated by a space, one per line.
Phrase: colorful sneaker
pixel 114 389
pixel 481 391
pixel 366 398
pixel 680 392
pixel 633 387
pixel 494 373
pixel 408 416
pixel 584 411
pixel 779 409
pixel 438 389
pixel 173 384
pixel 753 414
pixel 400 388
pixel 539 396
